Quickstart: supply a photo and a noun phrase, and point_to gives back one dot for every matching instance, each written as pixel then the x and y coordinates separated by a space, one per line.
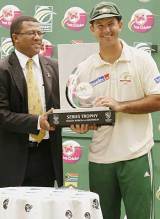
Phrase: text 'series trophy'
pixel 81 96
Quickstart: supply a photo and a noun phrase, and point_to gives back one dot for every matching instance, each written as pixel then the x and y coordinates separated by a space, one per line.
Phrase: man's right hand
pixel 43 121
pixel 83 128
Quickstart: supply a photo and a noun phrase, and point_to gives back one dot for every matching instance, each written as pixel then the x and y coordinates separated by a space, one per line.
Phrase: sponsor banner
pixel 158 194
pixel 44 14
pixel 144 1
pixel 72 151
pixel 145 46
pixel 6 46
pixel 47 48
pixel 75 18
pixel 7 14
pixel 71 180
pixel 141 21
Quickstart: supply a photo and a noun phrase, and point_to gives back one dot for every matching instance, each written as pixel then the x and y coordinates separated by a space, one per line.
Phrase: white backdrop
pixel 69 56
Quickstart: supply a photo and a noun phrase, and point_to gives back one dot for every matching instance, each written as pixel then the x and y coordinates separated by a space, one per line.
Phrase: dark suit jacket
pixel 16 123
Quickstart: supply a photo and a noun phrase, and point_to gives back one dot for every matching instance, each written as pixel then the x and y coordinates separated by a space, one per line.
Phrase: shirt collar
pixel 23 59
pixel 125 56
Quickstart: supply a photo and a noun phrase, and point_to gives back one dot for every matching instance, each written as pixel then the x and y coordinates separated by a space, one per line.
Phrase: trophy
pixel 81 96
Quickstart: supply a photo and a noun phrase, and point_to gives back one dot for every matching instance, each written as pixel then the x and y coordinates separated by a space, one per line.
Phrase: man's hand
pixel 108 102
pixel 83 128
pixel 43 121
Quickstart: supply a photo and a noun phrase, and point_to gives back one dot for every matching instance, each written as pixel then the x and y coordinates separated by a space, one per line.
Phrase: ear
pixel 120 26
pixel 92 27
pixel 14 37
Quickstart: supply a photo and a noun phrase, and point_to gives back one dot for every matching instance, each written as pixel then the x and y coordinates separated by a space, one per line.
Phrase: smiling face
pixel 106 30
pixel 29 39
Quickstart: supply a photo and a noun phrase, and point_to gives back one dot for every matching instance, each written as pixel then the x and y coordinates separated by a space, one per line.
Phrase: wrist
pixel 121 107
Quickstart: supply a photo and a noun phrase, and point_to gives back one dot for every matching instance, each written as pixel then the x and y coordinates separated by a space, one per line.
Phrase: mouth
pixel 37 45
pixel 107 35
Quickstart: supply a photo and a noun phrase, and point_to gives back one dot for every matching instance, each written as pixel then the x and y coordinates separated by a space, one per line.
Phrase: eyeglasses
pixel 32 33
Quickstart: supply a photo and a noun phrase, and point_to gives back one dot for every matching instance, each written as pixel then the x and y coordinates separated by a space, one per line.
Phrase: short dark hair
pixel 17 23
pixel 119 18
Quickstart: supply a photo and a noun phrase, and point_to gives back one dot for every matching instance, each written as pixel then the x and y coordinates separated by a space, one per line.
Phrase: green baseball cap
pixel 104 10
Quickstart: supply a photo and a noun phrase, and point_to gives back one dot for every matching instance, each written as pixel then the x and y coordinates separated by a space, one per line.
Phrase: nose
pixel 37 35
pixel 106 28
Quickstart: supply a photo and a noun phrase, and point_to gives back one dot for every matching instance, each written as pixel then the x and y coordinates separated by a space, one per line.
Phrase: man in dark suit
pixel 23 160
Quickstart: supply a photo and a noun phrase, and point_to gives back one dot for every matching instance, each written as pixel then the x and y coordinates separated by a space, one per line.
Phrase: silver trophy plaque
pixel 81 96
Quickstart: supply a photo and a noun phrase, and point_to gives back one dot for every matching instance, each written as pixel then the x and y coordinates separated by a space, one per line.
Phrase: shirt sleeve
pixel 150 75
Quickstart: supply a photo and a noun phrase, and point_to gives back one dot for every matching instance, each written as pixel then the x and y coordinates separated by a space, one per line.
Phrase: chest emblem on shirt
pixel 100 79
pixel 125 78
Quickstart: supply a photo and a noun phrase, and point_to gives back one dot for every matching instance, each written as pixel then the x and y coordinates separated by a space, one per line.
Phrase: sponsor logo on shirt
pixel 100 79
pixel 125 78
pixel 157 79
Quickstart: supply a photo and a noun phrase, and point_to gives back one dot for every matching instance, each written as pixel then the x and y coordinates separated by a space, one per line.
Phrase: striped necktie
pixel 34 100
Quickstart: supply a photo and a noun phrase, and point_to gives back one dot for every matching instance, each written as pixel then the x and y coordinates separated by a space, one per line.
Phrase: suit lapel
pixel 17 74
pixel 47 81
